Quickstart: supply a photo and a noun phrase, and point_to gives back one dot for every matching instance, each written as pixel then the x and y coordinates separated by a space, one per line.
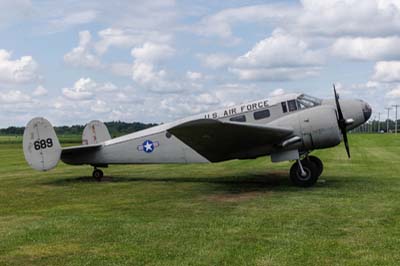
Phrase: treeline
pixel 116 128
pixel 374 126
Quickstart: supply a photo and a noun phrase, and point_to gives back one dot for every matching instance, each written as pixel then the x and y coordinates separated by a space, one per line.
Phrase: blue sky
pixel 74 61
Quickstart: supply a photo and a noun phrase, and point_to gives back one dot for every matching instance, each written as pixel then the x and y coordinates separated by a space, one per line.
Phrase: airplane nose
pixel 367 111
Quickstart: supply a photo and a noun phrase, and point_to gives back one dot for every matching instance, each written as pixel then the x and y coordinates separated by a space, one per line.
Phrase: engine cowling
pixel 319 127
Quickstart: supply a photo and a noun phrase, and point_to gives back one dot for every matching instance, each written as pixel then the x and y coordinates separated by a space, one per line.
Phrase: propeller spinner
pixel 342 122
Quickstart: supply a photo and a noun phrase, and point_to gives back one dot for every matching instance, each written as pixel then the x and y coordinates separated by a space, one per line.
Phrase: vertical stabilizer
pixel 95 132
pixel 42 149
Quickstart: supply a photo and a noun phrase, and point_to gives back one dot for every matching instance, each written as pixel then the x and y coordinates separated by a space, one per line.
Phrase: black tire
pixel 311 174
pixel 97 174
pixel 317 162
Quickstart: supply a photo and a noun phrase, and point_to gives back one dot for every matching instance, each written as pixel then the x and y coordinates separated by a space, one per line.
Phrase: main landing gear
pixel 97 174
pixel 305 172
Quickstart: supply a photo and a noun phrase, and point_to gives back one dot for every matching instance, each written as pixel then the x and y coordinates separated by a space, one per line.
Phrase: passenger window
pixel 240 118
pixel 284 107
pixel 292 105
pixel 261 114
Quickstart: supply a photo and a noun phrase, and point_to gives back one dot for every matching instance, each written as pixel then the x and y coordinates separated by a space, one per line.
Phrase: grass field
pixel 232 213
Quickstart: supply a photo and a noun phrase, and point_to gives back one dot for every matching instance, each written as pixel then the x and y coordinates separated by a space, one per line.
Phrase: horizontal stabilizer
pixel 79 154
pixel 81 148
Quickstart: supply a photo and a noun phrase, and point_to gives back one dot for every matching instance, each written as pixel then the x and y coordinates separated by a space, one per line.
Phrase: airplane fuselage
pixel 313 122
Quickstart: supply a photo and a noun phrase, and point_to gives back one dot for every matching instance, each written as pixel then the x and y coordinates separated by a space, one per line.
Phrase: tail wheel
pixel 97 174
pixel 318 163
pixel 310 176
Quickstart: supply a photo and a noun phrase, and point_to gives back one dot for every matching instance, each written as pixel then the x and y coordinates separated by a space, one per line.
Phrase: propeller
pixel 341 122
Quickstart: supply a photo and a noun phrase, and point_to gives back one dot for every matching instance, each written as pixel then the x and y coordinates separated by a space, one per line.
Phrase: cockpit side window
pixel 292 105
pixel 284 107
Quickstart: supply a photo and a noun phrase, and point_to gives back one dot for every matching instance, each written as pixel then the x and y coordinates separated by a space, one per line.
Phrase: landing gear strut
pixel 97 174
pixel 305 173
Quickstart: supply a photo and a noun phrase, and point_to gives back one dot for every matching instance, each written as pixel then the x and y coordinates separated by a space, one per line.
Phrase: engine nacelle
pixel 319 127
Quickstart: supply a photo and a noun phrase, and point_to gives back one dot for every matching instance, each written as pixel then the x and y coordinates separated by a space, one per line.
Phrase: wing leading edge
pixel 218 141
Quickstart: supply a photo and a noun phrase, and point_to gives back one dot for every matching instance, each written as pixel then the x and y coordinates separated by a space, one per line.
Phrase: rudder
pixel 42 149
pixel 95 132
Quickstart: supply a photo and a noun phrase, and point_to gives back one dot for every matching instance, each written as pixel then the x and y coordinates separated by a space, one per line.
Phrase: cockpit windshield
pixel 307 101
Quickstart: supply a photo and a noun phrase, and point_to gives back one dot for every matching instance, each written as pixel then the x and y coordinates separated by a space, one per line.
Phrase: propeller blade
pixel 346 144
pixel 341 122
pixel 337 104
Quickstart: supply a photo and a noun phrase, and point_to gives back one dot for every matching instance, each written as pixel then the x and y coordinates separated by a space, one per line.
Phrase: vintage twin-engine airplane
pixel 286 128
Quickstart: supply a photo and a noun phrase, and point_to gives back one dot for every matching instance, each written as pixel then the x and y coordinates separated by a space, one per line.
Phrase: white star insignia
pixel 148 146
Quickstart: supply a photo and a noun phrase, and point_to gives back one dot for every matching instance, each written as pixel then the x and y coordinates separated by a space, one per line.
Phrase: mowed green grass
pixel 232 213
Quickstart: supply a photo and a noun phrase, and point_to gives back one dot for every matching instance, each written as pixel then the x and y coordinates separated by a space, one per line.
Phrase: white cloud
pixel 143 15
pixel 86 89
pixel 40 91
pixel 208 99
pixel 82 55
pixel 387 71
pixel 233 93
pixel 152 52
pixel 361 48
pixel 106 87
pixel 121 69
pixel 277 92
pixel 121 97
pixel 178 106
pixel 275 74
pixel 114 37
pixel 100 107
pixel 122 38
pixel 215 61
pixel 394 93
pixel 65 21
pixel 279 57
pixel 144 71
pixel 280 50
pixel 310 17
pixel 349 17
pixel 14 97
pixel 220 24
pixel 17 71
pixel 82 90
pixel 194 75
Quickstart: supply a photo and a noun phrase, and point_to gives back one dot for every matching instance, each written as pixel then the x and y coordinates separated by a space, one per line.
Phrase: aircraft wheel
pixel 97 174
pixel 310 177
pixel 317 162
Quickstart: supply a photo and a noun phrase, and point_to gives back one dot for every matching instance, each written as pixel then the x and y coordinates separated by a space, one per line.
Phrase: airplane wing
pixel 218 141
